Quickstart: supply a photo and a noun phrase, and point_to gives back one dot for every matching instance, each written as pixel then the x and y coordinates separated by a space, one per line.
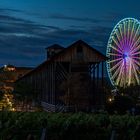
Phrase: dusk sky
pixel 27 27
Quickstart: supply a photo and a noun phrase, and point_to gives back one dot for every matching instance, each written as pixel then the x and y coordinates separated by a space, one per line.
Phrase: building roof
pixel 79 42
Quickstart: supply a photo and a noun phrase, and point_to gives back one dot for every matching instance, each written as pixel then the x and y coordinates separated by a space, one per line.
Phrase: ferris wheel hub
pixel 125 55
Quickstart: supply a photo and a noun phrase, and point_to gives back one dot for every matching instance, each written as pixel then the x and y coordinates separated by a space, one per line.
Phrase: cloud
pixel 20 38
pixel 24 40
pixel 113 17
pixel 81 19
pixel 7 10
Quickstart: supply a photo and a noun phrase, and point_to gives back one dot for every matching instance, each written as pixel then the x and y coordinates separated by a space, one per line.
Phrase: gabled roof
pixel 79 42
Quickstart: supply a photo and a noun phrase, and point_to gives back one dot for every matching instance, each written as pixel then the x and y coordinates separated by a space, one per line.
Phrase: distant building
pixel 67 70
pixel 9 74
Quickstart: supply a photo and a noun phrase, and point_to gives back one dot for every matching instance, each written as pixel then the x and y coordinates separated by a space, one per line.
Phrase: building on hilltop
pixel 9 74
pixel 70 79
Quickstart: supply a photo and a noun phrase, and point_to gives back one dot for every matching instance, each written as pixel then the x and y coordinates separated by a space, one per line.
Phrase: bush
pixel 68 126
pixel 121 104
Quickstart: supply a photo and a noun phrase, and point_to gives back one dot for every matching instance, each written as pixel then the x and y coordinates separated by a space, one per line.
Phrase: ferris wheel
pixel 123 51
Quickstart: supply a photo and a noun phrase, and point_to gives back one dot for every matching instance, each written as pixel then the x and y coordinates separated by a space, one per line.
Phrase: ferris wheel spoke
pixel 135 32
pixel 124 27
pixel 119 40
pixel 136 57
pixel 134 38
pixel 120 31
pixel 115 66
pixel 137 47
pixel 128 33
pixel 136 62
pixel 135 74
pixel 136 51
pixel 117 50
pixel 130 72
pixel 120 74
pixel 137 43
pixel 115 60
pixel 117 43
pixel 131 34
pixel 114 54
pixel 116 72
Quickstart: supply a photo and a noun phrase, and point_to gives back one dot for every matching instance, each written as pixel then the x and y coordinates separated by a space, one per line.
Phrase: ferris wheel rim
pixel 109 43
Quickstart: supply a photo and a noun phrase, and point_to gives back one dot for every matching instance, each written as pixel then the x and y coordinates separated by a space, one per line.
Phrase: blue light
pixel 125 55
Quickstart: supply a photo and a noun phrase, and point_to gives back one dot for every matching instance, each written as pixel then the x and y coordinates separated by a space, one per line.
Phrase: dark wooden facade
pixel 79 58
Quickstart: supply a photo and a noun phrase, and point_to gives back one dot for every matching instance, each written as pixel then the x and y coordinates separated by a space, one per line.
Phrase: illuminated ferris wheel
pixel 123 51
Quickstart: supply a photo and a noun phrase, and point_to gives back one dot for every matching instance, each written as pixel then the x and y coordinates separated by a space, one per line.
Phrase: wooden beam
pixel 102 74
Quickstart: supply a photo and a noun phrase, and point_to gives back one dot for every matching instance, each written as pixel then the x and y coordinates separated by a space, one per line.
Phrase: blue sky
pixel 27 27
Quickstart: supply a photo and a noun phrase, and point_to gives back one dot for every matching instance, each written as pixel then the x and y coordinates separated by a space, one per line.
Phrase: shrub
pixel 62 126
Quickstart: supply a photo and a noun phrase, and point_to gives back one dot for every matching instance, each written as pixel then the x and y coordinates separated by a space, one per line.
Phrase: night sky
pixel 27 27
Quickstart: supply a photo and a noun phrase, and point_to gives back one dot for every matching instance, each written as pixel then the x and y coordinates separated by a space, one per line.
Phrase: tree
pixel 7 79
pixel 133 91
pixel 120 104
pixel 24 93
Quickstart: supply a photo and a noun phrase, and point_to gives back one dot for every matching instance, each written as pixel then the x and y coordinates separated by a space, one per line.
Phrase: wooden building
pixel 70 77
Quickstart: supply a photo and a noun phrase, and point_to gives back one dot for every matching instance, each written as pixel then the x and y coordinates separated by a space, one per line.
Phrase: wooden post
pixel 53 82
pixel 93 82
pixel 69 87
pixel 49 83
pixel 44 134
pixel 102 74
pixel 98 75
